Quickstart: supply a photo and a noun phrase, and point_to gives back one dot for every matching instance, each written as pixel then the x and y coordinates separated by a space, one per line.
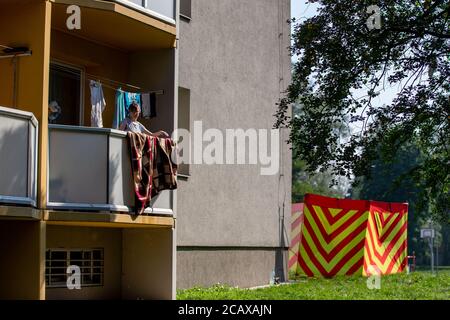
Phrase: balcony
pixel 161 9
pixel 89 169
pixel 86 168
pixel 18 157
pixel 121 24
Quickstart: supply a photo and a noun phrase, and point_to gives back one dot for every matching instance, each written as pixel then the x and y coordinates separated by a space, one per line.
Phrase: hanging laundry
pixel 130 97
pixel 148 105
pixel 152 105
pixel 120 113
pixel 145 105
pixel 98 104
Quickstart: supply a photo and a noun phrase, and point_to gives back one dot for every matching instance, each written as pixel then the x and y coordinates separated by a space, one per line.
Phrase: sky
pixel 299 8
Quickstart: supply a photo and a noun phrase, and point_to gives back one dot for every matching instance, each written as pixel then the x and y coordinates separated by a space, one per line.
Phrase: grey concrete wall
pixel 148 264
pixel 22 245
pixel 235 66
pixel 78 238
pixel 243 267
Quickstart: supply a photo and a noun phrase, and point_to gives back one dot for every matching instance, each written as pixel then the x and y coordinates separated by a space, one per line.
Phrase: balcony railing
pixel 89 169
pixel 160 9
pixel 18 157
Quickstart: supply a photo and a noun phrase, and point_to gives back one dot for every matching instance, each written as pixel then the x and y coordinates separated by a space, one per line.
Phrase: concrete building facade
pixel 234 64
pixel 66 192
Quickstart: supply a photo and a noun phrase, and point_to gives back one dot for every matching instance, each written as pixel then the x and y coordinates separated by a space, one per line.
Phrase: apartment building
pixel 66 194
pixel 234 63
pixel 65 186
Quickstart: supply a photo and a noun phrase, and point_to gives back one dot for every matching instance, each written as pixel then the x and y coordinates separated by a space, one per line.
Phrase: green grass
pixel 419 285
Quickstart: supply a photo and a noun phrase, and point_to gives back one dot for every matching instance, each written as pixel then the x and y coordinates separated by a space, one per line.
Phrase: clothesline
pixel 123 101
pixel 157 92
pixel 102 79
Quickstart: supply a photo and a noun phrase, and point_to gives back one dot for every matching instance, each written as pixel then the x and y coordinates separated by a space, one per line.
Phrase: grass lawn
pixel 420 285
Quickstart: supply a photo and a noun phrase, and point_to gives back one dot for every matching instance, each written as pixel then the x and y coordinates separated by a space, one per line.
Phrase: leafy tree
pixel 391 182
pixel 317 183
pixel 339 56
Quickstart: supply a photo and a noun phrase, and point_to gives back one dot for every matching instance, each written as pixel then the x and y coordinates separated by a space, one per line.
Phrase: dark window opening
pixel 185 9
pixel 184 122
pixel 65 105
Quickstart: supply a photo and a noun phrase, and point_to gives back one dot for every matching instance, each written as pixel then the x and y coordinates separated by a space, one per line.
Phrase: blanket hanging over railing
pixel 152 167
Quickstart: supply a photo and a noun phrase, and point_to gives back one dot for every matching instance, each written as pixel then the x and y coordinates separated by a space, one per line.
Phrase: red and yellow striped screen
pixel 345 237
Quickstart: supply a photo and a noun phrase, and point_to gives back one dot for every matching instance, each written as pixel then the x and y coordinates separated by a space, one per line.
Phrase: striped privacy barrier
pixel 296 227
pixel 345 237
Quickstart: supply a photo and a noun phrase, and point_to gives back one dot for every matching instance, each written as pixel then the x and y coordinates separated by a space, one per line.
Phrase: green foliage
pixel 317 183
pixel 414 286
pixel 394 182
pixel 322 183
pixel 338 56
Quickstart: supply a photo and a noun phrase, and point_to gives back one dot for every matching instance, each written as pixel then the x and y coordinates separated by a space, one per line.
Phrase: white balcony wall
pixel 89 169
pixel 18 156
pixel 164 9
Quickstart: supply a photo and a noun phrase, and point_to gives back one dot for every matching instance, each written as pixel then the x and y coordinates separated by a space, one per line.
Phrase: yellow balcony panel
pixel 19 213
pixel 115 25
pixel 106 220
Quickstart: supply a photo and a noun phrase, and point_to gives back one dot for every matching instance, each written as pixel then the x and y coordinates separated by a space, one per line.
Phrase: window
pixel 165 8
pixel 65 95
pixel 90 261
pixel 184 100
pixel 185 9
pixel 139 2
